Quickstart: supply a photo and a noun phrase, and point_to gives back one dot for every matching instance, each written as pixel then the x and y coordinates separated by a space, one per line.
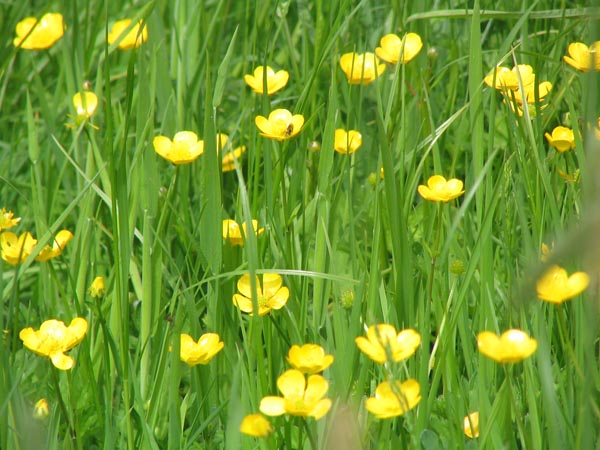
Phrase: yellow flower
pixel 38 35
pixel 546 251
pixel 15 249
pixel 394 400
pixel 60 242
pixel 280 125
pixel 256 425
pixel 97 287
pixel 271 295
pixel 512 346
pixel 184 148
pixel 85 104
pixel 6 219
pixel 54 338
pixel 41 410
pixel 562 139
pixel 309 358
pixel 301 397
pixel 506 78
pixel 582 57
pixel 230 157
pixel 384 341
pixel 132 39
pixel 394 49
pixel 543 89
pixel 361 68
pixel 556 286
pixel 193 353
pixel 275 80
pixel 236 235
pixel 440 190
pixel 347 142
pixel 471 425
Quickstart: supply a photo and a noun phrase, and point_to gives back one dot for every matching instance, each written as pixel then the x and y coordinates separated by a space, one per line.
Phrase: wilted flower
pixel 384 341
pixel 275 80
pixel 471 425
pixel 395 49
pixel 132 39
pixel 236 234
pixel 394 399
pixel 301 397
pixel 184 148
pixel 280 125
pixel 440 190
pixel 512 346
pixel 85 104
pixel 6 219
pixel 556 286
pixel 347 142
pixel 361 68
pixel 503 78
pixel 271 294
pixel 39 35
pixel 309 358
pixel 15 249
pixel 97 288
pixel 54 338
pixel 256 425
pixel 41 410
pixel 201 352
pixel 582 57
pixel 562 139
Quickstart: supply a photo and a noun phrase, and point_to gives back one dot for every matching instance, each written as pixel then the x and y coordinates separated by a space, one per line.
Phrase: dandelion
pixel 183 149
pixel 562 139
pixel 361 68
pixel 201 352
pixel 439 189
pixel 275 80
pixel 16 249
pixel 271 294
pixel 280 125
pixel 383 342
pixel 132 39
pixel 41 410
pixel 582 57
pixel 301 397
pixel 512 346
pixel 54 338
pixel 555 286
pixel 39 35
pixel 395 49
pixel 394 399
pixel 347 142
pixel 471 425
pixel 256 425
pixel 6 219
pixel 309 358
pixel 235 234
pixel 97 288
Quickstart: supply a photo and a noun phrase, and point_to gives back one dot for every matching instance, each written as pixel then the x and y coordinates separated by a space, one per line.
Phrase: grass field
pixel 349 235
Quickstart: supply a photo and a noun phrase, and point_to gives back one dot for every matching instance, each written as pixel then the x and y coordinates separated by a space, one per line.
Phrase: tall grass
pixel 355 248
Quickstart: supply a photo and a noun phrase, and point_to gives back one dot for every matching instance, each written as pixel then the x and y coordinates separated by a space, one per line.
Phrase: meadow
pixel 345 224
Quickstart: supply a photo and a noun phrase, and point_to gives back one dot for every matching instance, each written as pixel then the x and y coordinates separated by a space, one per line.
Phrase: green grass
pixel 353 248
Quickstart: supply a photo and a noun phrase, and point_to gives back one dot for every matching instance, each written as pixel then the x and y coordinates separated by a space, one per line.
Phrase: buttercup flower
pixel 85 104
pixel 271 295
pixel 384 341
pixel 506 78
pixel 361 68
pixel 202 352
pixel 440 190
pixel 39 35
pixel 60 242
pixel 546 251
pixel 300 397
pixel 41 410
pixel 15 250
pixel 395 49
pixel 471 425
pixel 275 80
pixel 562 139
pixel 555 286
pixel 347 142
pixel 512 346
pixel 543 89
pixel 234 234
pixel 184 148
pixel 6 219
pixel 582 57
pixel 280 125
pixel 394 400
pixel 132 39
pixel 256 425
pixel 309 358
pixel 54 338
pixel 97 288
pixel 230 157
